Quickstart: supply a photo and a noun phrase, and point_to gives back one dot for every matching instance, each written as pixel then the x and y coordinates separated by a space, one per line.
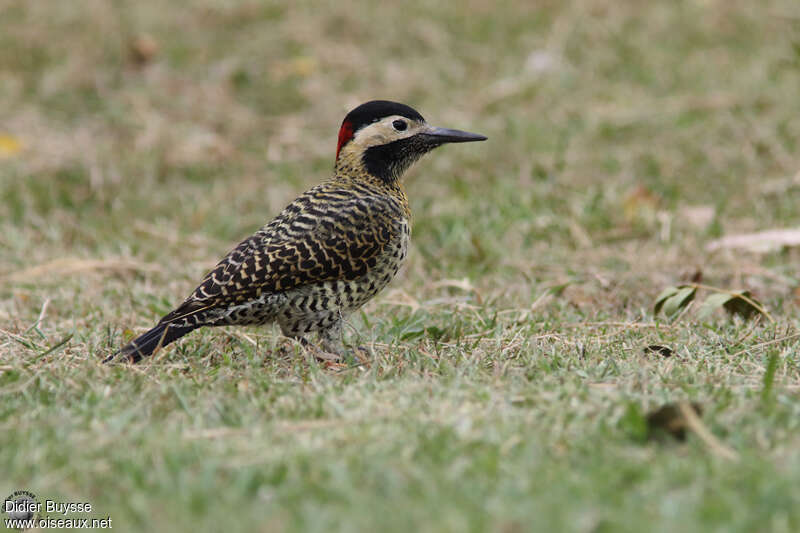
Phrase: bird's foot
pixel 357 356
pixel 286 350
pixel 362 354
pixel 335 354
pixel 322 354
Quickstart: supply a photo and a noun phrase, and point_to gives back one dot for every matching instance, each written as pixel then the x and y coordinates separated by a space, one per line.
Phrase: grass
pixel 508 385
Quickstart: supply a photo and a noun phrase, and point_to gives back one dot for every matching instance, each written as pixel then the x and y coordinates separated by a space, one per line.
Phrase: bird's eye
pixel 400 125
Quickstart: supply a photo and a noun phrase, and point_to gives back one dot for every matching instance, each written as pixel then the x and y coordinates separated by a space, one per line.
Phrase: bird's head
pixel 385 138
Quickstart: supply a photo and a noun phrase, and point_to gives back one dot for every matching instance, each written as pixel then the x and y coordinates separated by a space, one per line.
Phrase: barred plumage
pixel 329 251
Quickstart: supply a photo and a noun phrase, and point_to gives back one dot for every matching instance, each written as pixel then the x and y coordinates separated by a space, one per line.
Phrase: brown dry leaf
pixel 23 297
pixel 656 349
pixel 640 203
pixel 143 49
pixel 676 419
pixel 761 242
pixel 669 419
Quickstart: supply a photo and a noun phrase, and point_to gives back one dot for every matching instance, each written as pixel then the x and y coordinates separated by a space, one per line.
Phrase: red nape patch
pixel 345 134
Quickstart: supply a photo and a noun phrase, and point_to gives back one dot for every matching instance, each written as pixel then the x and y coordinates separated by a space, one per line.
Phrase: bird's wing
pixel 335 240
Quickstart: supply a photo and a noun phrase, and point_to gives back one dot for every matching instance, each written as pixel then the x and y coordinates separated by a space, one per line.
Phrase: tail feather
pixel 145 344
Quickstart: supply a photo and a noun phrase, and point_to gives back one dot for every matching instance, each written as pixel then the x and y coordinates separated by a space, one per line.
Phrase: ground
pixel 507 385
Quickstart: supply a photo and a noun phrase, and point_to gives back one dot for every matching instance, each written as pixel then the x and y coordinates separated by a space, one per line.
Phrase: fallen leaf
pixel 673 299
pixel 738 303
pixel 640 203
pixel 668 419
pixel 691 275
pixel 143 49
pixel 742 304
pixel 662 297
pixel 655 349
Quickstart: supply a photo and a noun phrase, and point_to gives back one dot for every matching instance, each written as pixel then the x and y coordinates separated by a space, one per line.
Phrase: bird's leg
pixel 331 340
pixel 320 354
pixel 286 349
pixel 328 350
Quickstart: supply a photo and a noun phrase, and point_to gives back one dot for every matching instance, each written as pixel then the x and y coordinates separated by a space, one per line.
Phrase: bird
pixel 328 252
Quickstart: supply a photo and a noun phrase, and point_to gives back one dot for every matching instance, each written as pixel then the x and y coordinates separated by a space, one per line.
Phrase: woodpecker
pixel 328 252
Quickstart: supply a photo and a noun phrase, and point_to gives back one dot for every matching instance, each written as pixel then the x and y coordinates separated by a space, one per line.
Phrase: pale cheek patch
pixel 382 135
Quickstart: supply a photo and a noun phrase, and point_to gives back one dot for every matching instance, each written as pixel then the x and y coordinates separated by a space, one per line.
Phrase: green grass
pixel 508 386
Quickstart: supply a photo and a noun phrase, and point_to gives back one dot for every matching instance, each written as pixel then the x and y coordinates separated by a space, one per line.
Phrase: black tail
pixel 145 344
